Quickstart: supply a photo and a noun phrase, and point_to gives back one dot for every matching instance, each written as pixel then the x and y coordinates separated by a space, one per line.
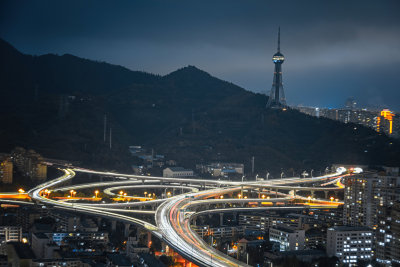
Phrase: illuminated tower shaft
pixel 277 95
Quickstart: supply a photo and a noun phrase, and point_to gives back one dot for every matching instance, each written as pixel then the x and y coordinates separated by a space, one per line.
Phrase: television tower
pixel 277 96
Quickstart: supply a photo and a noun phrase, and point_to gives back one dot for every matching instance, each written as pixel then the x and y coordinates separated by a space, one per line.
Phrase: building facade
pixel 6 170
pixel 289 238
pixel 384 121
pixel 365 193
pixel 388 235
pixel 29 163
pixel 177 172
pixel 349 244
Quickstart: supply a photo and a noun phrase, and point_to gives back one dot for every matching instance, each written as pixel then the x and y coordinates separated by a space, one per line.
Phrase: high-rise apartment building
pixel 366 192
pixel 349 244
pixel 388 235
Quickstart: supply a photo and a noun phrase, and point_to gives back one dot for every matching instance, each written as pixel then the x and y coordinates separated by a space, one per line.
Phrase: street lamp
pixel 221 197
pixel 96 193
pixel 332 198
pixel 267 175
pixel 168 194
pixel 21 191
pixel 121 192
pixel 239 195
pixel 71 192
pixel 312 172
pixel 263 196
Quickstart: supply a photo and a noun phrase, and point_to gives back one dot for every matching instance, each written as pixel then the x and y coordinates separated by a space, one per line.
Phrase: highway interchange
pixel 170 217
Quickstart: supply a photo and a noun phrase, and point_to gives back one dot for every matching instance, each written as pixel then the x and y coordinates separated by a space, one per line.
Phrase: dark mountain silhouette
pixel 56 105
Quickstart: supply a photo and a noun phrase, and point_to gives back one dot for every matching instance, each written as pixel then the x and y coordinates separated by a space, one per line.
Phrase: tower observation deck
pixel 277 96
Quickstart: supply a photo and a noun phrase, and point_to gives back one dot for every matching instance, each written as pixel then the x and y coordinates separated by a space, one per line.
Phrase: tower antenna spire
pixel 279 39
pixel 277 96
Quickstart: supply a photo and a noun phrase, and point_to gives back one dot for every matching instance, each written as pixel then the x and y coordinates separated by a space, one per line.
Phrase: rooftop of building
pixel 41 235
pixel 178 169
pixel 43 227
pixel 302 252
pixel 285 228
pixel 315 232
pixel 349 228
pixel 151 260
pixel 22 250
pixel 119 259
pixel 56 260
pixel 296 215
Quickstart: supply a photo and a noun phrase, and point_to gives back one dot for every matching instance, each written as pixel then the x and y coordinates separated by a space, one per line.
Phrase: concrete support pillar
pixel 326 194
pixel 126 230
pixel 113 226
pixel 312 194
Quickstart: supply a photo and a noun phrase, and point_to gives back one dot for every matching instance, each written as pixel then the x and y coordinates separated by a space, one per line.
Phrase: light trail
pixel 171 215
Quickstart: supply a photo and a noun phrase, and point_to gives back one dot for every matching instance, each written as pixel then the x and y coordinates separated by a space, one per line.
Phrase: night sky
pixel 333 49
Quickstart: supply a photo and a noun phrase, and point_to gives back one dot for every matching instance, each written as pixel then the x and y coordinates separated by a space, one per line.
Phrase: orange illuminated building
pixel 385 115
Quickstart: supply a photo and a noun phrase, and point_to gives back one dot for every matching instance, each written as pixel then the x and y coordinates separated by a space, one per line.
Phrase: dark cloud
pixel 333 49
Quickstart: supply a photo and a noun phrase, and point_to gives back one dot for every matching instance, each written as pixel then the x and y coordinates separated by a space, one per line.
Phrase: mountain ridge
pixel 56 104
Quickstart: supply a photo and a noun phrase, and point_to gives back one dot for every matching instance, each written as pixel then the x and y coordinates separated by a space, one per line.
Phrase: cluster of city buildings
pixel 384 121
pixel 6 169
pixel 366 228
pixel 170 168
pixel 27 162
pixel 37 236
pixel 221 169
